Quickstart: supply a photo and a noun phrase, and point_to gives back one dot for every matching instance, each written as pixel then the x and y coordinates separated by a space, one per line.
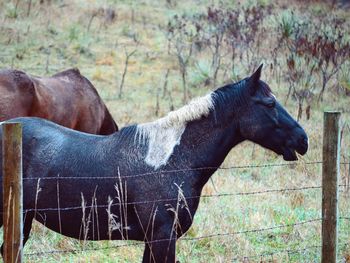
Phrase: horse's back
pixel 92 114
pixel 35 126
pixel 66 98
pixel 76 82
pixel 72 72
pixel 51 151
pixel 47 144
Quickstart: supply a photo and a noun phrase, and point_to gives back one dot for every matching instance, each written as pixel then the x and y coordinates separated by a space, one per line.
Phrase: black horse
pixel 144 182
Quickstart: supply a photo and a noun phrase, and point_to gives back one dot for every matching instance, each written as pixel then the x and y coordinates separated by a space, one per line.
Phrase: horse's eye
pixel 271 104
pixel 268 102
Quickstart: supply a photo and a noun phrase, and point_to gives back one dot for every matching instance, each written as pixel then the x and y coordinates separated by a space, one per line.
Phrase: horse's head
pixel 268 124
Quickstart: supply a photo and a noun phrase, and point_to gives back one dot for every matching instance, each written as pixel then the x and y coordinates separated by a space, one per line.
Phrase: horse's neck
pixel 191 144
pixel 206 144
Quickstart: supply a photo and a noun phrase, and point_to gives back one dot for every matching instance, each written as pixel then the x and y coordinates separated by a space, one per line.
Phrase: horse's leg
pixel 159 252
pixel 27 226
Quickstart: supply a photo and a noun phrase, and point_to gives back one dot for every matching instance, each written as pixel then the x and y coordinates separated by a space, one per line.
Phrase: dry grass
pixel 55 37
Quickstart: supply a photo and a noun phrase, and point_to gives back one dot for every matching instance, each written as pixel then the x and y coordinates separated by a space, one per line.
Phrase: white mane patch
pixel 164 134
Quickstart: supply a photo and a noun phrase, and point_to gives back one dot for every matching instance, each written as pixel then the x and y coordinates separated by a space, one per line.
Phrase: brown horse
pixel 67 98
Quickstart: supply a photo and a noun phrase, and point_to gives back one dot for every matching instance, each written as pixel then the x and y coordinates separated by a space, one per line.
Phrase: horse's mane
pixel 217 101
pixel 229 97
pixel 196 109
pixel 233 96
pixel 201 107
pixel 162 135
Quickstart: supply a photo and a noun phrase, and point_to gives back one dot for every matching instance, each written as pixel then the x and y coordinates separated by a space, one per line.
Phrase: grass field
pixel 60 34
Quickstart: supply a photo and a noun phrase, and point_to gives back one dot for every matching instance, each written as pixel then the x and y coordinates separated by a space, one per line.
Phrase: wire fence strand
pixel 164 172
pixel 168 172
pixel 284 190
pixel 171 239
pixel 257 192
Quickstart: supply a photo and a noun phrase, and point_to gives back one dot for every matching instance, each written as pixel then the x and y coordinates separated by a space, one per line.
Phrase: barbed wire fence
pixel 181 239
pixel 219 195
pixel 209 236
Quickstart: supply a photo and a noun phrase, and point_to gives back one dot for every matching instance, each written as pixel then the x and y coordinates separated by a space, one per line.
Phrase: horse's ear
pixel 254 80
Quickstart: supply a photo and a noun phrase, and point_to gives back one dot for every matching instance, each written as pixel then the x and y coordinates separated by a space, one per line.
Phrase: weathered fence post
pixel 330 174
pixel 12 192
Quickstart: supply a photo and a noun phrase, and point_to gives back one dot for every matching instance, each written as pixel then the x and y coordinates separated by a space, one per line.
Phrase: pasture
pixel 147 58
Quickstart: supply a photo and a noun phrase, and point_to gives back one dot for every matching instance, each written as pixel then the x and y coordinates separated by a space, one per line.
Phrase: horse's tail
pixel 108 126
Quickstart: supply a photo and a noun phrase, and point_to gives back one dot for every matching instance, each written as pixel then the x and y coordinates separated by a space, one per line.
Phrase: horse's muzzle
pixel 303 145
pixel 299 144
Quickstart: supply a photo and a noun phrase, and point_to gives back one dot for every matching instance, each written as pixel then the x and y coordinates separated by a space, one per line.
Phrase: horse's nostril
pixel 303 141
pixel 303 145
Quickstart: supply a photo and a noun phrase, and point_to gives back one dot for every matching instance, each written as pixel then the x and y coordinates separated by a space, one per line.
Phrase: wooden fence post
pixel 12 192
pixel 330 175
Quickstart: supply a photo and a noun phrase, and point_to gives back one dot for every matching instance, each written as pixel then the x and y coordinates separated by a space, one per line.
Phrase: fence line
pixel 300 163
pixel 176 199
pixel 142 243
pixel 164 172
pixel 265 254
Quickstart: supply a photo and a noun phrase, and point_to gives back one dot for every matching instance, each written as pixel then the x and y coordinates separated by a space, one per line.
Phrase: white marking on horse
pixel 164 134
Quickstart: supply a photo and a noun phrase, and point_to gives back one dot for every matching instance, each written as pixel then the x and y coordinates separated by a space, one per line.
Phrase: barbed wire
pixel 163 172
pixel 172 239
pixel 255 230
pixel 176 199
pixel 191 197
pixel 167 172
pixel 344 217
